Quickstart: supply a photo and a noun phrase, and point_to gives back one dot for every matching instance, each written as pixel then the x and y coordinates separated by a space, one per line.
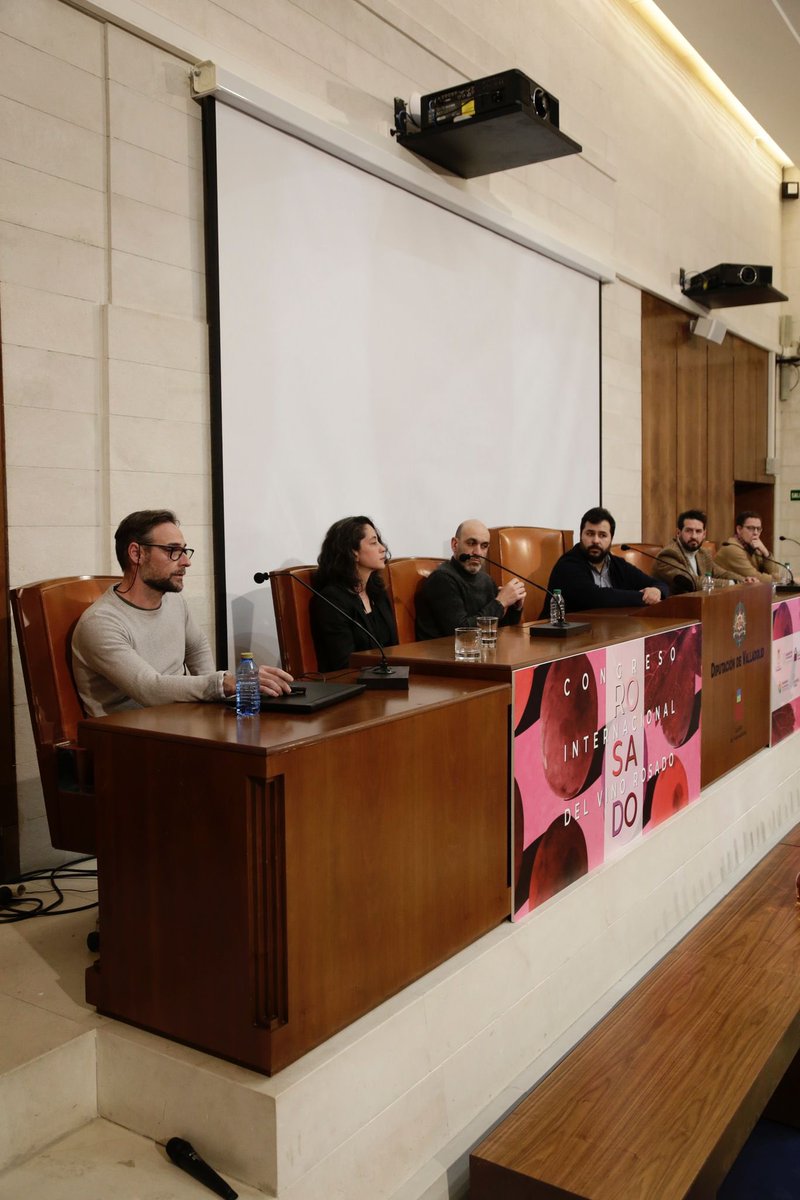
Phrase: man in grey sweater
pixel 138 644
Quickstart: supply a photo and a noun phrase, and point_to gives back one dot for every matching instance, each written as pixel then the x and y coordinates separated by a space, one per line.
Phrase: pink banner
pixel 785 700
pixel 606 747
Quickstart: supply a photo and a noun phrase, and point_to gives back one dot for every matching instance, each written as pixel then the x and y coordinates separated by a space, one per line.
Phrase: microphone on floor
pixel 184 1155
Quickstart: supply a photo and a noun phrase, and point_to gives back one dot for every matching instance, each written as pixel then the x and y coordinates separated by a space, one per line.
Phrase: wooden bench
pixel 658 1099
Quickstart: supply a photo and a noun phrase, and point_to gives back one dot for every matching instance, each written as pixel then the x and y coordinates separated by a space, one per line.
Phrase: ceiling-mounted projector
pixel 730 285
pixel 491 124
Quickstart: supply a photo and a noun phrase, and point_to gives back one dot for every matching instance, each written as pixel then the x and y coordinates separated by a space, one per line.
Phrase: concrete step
pixel 101 1161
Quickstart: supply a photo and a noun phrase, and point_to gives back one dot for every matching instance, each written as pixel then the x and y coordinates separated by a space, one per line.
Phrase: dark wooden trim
pixel 211 236
pixel 9 817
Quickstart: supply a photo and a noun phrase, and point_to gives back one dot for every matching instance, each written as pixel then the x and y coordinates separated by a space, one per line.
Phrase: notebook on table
pixel 317 694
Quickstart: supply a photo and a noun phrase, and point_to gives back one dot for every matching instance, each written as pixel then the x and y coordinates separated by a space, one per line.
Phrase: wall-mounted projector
pixel 730 285
pixel 491 124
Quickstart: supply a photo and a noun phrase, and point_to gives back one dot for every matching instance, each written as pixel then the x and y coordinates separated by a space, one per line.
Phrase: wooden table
pixel 562 725
pixel 263 883
pixel 659 1098
pixel 517 649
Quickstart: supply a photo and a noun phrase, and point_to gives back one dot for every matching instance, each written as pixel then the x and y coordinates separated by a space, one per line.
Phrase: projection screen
pixel 380 354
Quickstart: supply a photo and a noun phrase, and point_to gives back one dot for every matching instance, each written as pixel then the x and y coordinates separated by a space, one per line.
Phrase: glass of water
pixel 468 644
pixel 487 627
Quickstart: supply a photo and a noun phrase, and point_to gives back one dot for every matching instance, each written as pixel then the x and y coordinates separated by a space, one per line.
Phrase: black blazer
pixel 336 638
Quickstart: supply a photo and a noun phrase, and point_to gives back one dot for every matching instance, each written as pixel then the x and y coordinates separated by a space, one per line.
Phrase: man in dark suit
pixel 590 576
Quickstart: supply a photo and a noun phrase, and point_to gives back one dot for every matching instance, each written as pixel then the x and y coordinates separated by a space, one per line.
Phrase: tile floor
pixel 102 1161
pixel 52 1144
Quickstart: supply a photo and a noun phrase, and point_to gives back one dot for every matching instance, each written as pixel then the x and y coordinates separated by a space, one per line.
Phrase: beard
pixel 595 554
pixel 172 583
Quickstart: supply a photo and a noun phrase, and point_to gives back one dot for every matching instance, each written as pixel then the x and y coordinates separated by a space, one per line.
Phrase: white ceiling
pixel 754 47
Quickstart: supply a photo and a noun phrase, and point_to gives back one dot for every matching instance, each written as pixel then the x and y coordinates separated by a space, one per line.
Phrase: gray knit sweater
pixel 128 657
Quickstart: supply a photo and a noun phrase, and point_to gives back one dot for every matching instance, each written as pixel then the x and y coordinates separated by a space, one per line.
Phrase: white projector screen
pixel 379 354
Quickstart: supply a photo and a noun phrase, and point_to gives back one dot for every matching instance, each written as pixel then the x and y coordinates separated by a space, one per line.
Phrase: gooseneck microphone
pixel 781 538
pixel 184 1155
pixel 791 585
pixel 683 576
pixel 384 675
pixel 560 628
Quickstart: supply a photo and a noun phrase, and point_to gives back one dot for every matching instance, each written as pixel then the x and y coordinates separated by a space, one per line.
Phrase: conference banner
pixel 785 698
pixel 606 747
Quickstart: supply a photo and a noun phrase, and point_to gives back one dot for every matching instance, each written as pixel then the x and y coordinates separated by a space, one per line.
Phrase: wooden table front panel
pixel 257 896
pixel 737 658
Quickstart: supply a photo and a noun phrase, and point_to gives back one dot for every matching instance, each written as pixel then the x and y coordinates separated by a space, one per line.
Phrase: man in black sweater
pixel 457 593
pixel 590 576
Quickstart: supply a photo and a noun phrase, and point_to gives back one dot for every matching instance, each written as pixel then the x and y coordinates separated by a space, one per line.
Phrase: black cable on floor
pixel 22 907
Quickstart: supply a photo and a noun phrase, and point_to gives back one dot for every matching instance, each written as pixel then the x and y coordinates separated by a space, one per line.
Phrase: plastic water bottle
pixel 786 574
pixel 556 607
pixel 248 695
pixel 707 584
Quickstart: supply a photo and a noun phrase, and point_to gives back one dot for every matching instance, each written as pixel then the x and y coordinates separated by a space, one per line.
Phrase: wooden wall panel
pixel 749 412
pixel 704 424
pixel 660 328
pixel 719 502
pixel 691 421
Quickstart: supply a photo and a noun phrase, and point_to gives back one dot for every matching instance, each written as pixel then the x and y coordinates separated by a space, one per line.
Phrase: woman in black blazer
pixel 351 564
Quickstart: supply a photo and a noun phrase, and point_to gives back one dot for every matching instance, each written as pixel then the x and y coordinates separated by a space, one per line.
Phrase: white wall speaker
pixel 710 328
pixel 786 335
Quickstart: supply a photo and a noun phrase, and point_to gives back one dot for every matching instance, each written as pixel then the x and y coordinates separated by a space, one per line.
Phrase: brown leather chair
pixel 636 558
pixel 531 551
pixel 45 615
pixel 292 604
pixel 405 576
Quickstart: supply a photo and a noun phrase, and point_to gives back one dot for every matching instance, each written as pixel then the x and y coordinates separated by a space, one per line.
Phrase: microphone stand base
pixel 374 677
pixel 568 629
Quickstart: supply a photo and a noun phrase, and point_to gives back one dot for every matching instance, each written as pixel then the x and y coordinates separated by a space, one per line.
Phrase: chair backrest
pixel 531 551
pixel 45 615
pixel 405 576
pixel 634 555
pixel 292 604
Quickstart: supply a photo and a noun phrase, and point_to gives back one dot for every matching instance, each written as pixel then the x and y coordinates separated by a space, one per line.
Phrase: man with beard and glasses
pixel 684 564
pixel 138 644
pixel 746 554
pixel 590 576
pixel 458 592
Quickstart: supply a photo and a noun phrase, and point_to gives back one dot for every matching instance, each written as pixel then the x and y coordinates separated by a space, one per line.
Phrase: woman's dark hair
pixel 337 558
